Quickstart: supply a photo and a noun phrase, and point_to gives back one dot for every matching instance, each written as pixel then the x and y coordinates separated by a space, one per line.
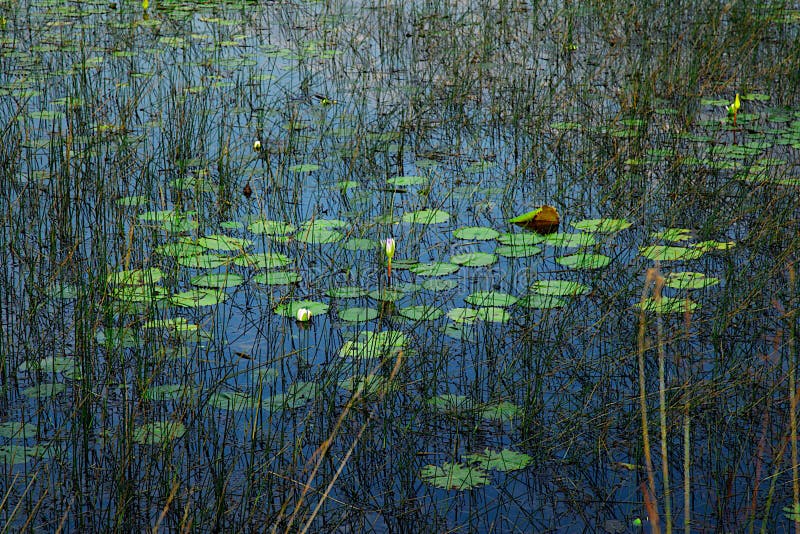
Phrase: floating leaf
pixel 429 216
pixel 570 240
pixel 502 411
pixel 474 259
pixel 493 314
pixel 517 251
pixel 368 385
pixel 668 305
pixel 689 280
pixel 17 430
pixel 455 476
pixel 673 234
pixel 44 390
pixel 151 275
pixel 358 314
pixel 217 280
pixel 346 292
pixel 541 302
pixel 463 315
pixel 289 309
pixel 422 312
pixel 451 403
pixel 359 243
pixel 559 288
pixel 520 240
pixel 387 294
pixel 584 261
pixel 198 297
pixel 15 454
pixel 602 226
pixel 263 260
pixel 476 233
pixel 50 364
pixel 436 268
pixel 203 261
pixel 374 344
pixel 303 167
pixel 404 181
pixel 263 226
pixel 438 284
pixel 708 246
pixel 505 460
pixel 158 432
pixel 224 242
pixel 669 253
pixel 278 278
pixel 318 235
pixel 490 298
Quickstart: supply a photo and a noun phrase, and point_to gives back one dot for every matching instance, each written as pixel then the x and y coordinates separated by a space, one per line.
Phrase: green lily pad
pixel 474 259
pixel 360 243
pixel 520 239
pixel 368 385
pixel 303 167
pixel 436 268
pixel 51 364
pixel 203 261
pixel 289 309
pixel 565 240
pixel 559 288
pixel 689 280
pixel 195 298
pixel 143 294
pixel 346 292
pixel 267 227
pixel 387 294
pixel 493 314
pixel 454 476
pixel 476 233
pixel 505 460
pixel 602 226
pixel 317 235
pixel 278 278
pixel 422 312
pixel 17 430
pixel 428 216
pixel 15 454
pixel 231 400
pixel 263 260
pixel 158 432
pixel 673 234
pixel 502 411
pixel 668 305
pixel 517 251
pixel 405 181
pixel 584 261
pixel 374 344
pixel 463 315
pixel 670 253
pixel 358 314
pixel 451 403
pixel 151 275
pixel 541 302
pixel 439 284
pixel 224 243
pixel 490 298
pixel 708 246
pixel 180 248
pixel 217 280
pixel 44 390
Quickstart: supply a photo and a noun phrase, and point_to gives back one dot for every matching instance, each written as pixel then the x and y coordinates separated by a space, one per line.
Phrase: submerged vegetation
pixel 261 267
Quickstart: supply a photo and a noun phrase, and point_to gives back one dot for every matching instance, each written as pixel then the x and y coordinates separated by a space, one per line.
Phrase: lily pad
pixel 668 305
pixel 517 251
pixel 541 302
pixel 217 280
pixel 463 315
pixel 673 234
pixel 422 312
pixel 263 260
pixel 439 284
pixel 570 240
pixel 405 181
pixel 195 298
pixel 436 268
pixel 493 314
pixel 158 432
pixel 44 390
pixel 278 278
pixel 203 261
pixel 476 233
pixel 689 280
pixel 505 460
pixel 17 430
pixel 303 167
pixel 151 275
pixel 454 476
pixel 602 226
pixel 584 261
pixel 520 240
pixel 559 288
pixel 670 253
pixel 490 298
pixel 502 411
pixel 346 292
pixel 428 216
pixel 224 243
pixel 358 314
pixel 474 259
pixel 268 227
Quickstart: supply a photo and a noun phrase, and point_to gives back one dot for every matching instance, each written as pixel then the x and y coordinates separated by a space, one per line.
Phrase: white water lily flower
pixel 303 315
pixel 389 246
pixel 257 145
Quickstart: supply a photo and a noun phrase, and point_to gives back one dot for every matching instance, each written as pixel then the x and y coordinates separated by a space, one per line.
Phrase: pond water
pixel 180 180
